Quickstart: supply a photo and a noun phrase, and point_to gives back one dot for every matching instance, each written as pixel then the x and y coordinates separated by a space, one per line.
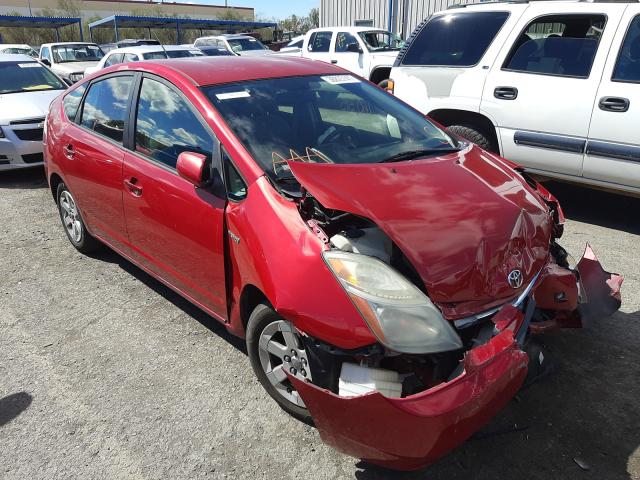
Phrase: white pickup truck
pixel 368 52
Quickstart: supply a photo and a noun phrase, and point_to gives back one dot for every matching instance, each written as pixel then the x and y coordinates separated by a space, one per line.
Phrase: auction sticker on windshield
pixel 340 79
pixel 29 65
pixel 232 95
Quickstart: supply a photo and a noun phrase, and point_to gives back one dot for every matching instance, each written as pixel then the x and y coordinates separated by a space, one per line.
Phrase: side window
pixel 563 45
pixel 627 67
pixel 46 54
pixel 113 59
pixel 71 102
pixel 105 107
pixel 166 126
pixel 236 188
pixel 320 42
pixel 454 39
pixel 130 57
pixel 343 40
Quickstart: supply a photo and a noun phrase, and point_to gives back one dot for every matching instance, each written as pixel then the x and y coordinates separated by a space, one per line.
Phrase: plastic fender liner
pixel 412 432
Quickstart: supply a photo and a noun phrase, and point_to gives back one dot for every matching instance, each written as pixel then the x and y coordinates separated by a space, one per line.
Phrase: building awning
pixel 56 23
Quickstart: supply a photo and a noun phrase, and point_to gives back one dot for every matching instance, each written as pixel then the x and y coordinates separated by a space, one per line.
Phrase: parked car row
pixel 388 276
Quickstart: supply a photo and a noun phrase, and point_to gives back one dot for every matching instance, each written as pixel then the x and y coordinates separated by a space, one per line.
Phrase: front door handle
pixel 69 152
pixel 506 93
pixel 614 104
pixel 334 61
pixel 131 184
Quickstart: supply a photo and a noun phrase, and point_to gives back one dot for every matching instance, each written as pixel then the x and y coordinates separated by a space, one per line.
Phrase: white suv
pixel 554 86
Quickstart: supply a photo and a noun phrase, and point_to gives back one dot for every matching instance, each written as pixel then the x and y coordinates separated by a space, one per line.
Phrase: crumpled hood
pixel 26 105
pixel 464 220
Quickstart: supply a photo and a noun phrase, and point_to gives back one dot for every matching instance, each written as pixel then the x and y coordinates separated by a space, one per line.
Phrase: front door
pixel 613 148
pixel 349 60
pixel 175 229
pixel 541 87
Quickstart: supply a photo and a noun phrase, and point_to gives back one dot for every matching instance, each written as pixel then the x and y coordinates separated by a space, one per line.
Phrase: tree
pixel 314 18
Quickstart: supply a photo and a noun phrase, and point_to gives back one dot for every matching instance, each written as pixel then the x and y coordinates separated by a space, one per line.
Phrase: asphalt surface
pixel 106 374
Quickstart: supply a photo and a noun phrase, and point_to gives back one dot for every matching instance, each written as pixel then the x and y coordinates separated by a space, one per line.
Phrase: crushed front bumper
pixel 411 432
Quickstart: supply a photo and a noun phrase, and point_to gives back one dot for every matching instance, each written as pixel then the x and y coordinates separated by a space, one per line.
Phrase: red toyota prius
pixel 389 278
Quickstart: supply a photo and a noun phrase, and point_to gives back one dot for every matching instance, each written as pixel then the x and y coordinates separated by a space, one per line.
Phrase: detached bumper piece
pixel 412 432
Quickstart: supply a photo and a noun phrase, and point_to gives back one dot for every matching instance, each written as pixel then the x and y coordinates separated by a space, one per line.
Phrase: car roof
pixel 149 49
pixel 204 71
pixel 14 45
pixel 348 29
pixel 67 43
pixel 15 57
pixel 226 35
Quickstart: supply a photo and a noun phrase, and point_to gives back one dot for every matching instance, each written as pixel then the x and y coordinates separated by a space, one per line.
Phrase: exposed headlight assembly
pixel 400 316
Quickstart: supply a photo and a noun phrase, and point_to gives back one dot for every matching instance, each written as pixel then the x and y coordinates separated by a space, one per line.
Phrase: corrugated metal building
pixel 399 16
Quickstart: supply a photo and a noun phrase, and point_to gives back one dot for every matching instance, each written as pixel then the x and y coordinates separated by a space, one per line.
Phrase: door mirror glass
pixel 354 47
pixel 193 167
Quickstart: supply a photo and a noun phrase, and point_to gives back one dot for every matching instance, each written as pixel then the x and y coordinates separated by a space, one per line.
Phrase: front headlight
pixel 400 316
pixel 76 77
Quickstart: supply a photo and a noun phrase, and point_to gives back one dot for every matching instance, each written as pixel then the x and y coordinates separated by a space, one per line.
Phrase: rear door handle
pixel 69 152
pixel 334 61
pixel 131 184
pixel 506 93
pixel 614 104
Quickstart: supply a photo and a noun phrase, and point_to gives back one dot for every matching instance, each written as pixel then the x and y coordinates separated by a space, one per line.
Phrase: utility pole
pixel 30 12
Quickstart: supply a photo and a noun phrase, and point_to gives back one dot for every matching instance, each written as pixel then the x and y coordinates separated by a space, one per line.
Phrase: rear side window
pixel 71 102
pixel 113 59
pixel 166 126
pixel 320 41
pixel 105 107
pixel 627 67
pixel 130 57
pixel 560 45
pixel 455 40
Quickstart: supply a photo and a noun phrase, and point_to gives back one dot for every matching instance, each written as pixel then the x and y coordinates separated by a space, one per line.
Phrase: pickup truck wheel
pixel 72 221
pixel 274 348
pixel 473 134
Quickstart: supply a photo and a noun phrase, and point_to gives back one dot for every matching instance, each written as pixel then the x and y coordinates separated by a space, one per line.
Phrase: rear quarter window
pixel 454 39
pixel 71 102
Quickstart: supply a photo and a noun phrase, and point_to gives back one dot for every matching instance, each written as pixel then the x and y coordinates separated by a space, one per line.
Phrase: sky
pixel 270 8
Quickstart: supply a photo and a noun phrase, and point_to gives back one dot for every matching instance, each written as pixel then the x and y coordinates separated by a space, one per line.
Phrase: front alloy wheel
pixel 275 348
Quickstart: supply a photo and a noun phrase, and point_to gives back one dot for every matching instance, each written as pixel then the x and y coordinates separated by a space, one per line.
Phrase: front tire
pixel 72 221
pixel 274 348
pixel 474 135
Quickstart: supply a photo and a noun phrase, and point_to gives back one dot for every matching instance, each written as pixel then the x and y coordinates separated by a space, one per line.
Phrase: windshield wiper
pixel 411 154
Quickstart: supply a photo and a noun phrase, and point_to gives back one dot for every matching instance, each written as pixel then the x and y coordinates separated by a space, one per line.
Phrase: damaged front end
pixel 441 369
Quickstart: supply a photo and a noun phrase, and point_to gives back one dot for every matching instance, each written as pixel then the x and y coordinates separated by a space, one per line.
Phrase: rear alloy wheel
pixel 275 348
pixel 72 222
pixel 474 135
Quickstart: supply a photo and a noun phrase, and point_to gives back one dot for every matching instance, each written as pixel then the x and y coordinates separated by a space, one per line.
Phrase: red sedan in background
pixel 388 277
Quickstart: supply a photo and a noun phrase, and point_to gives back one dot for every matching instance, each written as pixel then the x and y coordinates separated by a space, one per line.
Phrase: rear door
pixel 93 151
pixel 613 149
pixel 319 46
pixel 349 60
pixel 175 229
pixel 541 87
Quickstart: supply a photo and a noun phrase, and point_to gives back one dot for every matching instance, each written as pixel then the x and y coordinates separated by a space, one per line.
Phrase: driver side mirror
pixel 354 47
pixel 67 81
pixel 45 61
pixel 194 168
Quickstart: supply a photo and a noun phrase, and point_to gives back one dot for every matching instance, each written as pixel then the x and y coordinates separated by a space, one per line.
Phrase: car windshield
pixel 20 50
pixel 376 40
pixel 244 44
pixel 216 52
pixel 329 119
pixel 18 77
pixel 77 53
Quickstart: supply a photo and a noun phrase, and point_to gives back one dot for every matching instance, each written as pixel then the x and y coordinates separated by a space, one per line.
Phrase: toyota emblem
pixel 515 278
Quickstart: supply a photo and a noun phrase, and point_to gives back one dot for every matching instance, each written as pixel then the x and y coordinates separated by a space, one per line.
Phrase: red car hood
pixel 464 220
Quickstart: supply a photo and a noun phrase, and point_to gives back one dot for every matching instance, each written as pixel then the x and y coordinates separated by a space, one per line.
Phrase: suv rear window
pixel 455 39
pixel 561 45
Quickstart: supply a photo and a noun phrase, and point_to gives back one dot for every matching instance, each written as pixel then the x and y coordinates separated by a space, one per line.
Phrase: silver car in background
pixel 27 88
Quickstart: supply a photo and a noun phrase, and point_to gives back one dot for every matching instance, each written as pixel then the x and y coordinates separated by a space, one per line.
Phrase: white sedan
pixel 143 52
pixel 27 88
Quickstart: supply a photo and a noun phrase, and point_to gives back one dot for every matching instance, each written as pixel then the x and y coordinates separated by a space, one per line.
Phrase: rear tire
pixel 72 221
pixel 474 135
pixel 267 347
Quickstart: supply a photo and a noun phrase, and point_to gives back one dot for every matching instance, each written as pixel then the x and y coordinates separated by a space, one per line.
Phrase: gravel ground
pixel 106 374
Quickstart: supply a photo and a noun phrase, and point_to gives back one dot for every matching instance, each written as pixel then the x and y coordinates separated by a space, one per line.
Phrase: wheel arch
pixel 379 74
pixel 54 181
pixel 449 116
pixel 250 298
